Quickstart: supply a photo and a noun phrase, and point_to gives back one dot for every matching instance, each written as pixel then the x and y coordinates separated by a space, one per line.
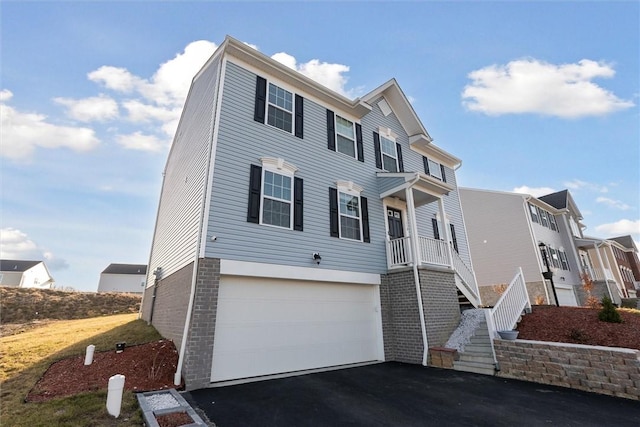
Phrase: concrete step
pixel 475 367
pixel 476 357
pixel 476 348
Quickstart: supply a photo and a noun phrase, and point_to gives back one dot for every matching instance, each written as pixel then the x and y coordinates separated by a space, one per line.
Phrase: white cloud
pixel 14 244
pixel 98 108
pixel 21 133
pixel 534 191
pixel 577 184
pixel 613 203
pixel 533 86
pixel 619 228
pixel 141 142
pixel 325 73
pixel 114 78
pixel 5 95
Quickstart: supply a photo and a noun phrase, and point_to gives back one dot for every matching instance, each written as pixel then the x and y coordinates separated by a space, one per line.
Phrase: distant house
pixel 25 274
pixel 626 257
pixel 129 278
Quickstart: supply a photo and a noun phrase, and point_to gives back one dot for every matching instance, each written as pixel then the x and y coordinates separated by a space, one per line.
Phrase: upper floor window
pixel 434 169
pixel 275 195
pixel 388 151
pixel 533 212
pixel 575 229
pixel 281 108
pixel 349 212
pixel 544 219
pixel 553 223
pixel 344 136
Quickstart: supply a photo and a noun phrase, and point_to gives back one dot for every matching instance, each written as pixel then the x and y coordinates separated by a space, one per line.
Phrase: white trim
pixel 278 165
pixel 349 187
pixel 277 271
pixel 379 330
pixel 387 133
pixel 384 107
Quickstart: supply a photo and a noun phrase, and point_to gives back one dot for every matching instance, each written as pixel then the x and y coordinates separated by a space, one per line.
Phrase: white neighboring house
pixel 129 278
pixel 25 274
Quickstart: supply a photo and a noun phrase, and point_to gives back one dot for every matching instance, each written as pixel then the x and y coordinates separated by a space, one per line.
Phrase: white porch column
pixel 602 266
pixel 446 231
pixel 413 226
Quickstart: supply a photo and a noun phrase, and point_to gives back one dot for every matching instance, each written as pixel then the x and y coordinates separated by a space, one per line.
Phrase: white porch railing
pixel 399 251
pixel 599 273
pixel 434 252
pixel 505 313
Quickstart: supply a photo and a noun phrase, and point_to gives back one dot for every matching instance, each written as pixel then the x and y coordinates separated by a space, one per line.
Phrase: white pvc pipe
pixel 88 358
pixel 114 395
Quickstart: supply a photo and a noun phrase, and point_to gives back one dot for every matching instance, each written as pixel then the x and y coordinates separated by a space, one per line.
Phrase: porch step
pixel 477 356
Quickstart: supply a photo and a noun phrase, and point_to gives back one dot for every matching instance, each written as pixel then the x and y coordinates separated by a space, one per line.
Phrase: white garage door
pixel 269 326
pixel 566 297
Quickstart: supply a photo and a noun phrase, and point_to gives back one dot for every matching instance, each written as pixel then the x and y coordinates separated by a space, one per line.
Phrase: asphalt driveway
pixel 396 394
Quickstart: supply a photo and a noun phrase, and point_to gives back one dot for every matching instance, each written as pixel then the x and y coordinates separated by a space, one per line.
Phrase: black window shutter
pixel 454 240
pixel 359 144
pixel 331 131
pixel 299 116
pixel 297 204
pixel 442 171
pixel 400 163
pixel 376 146
pixel 436 232
pixel 364 207
pixel 255 190
pixel 333 211
pixel 261 99
pixel 425 161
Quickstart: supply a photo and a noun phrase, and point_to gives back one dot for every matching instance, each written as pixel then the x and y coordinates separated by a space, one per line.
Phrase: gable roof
pixel 562 200
pixel 125 269
pixel 626 241
pixel 10 265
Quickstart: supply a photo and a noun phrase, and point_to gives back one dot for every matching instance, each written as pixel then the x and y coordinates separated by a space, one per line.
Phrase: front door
pixel 394 219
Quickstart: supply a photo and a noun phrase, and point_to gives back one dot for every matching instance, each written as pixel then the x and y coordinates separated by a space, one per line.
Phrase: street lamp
pixel 548 275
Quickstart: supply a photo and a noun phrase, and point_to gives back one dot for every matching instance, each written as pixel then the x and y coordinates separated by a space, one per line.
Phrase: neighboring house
pixel 508 231
pixel 595 255
pixel 298 229
pixel 129 278
pixel 626 257
pixel 505 231
pixel 25 274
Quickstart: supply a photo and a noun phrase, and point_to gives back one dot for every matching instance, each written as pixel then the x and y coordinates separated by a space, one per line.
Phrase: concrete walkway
pixel 395 394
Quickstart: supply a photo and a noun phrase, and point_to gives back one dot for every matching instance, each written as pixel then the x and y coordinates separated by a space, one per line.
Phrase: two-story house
pixel 298 229
pixel 544 236
pixel 128 278
pixel 628 264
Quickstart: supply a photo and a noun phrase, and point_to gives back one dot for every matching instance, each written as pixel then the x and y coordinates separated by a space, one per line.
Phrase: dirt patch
pixel 580 325
pixel 146 367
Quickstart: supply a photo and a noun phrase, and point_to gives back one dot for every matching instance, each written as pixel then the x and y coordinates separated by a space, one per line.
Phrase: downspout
pixel 177 378
pixel 416 277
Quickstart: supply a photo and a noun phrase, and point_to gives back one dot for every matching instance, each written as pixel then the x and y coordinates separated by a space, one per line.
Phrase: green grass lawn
pixel 25 357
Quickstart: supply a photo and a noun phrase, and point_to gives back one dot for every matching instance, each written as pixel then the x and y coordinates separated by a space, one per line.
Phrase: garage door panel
pixel 266 326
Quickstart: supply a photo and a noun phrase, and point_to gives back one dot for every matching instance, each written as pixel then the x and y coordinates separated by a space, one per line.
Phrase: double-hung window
pixel 349 212
pixel 552 222
pixel 434 169
pixel 278 107
pixel 275 195
pixel 388 151
pixel 344 136
pixel 544 220
pixel 534 213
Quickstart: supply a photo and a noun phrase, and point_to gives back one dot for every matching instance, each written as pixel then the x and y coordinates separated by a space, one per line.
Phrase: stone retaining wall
pixel 605 370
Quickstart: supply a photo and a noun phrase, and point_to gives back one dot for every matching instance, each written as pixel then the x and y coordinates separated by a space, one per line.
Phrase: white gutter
pixel 416 277
pixel 177 378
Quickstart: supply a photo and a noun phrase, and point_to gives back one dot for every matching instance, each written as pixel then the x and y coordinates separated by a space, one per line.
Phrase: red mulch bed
pixel 580 325
pixel 146 367
pixel 174 419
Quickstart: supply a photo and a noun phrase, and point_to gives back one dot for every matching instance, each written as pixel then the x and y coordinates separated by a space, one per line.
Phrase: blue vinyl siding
pixel 182 195
pixel 242 141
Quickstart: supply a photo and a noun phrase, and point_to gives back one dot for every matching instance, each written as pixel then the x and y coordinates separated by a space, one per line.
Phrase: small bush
pixel 578 335
pixel 609 312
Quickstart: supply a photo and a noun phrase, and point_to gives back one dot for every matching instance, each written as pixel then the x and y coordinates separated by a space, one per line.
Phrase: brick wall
pixel 490 297
pixel 440 302
pixel 196 370
pixel 604 370
pixel 401 318
pixel 170 308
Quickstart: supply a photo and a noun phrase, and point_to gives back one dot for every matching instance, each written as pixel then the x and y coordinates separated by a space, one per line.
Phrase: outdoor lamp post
pixel 548 275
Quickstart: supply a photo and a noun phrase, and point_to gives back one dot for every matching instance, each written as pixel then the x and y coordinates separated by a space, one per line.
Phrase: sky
pixel 534 97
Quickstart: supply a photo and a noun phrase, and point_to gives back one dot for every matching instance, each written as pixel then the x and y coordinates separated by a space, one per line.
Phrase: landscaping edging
pixel 178 405
pixel 605 370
